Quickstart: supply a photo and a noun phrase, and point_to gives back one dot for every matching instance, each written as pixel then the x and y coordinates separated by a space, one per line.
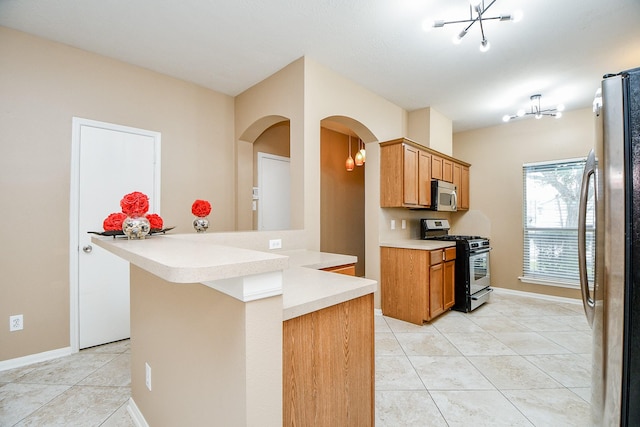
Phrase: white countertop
pixel 425 245
pixel 315 259
pixel 185 259
pixel 306 290
pixel 179 260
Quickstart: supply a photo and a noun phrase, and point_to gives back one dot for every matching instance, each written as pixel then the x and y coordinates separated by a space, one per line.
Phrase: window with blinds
pixel 551 203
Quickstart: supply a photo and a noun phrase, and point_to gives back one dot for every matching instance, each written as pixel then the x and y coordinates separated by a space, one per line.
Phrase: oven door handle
pixel 479 251
pixel 489 290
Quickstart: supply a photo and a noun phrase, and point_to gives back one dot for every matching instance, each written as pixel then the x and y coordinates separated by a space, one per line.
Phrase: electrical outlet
pixel 147 376
pixel 16 323
pixel 393 224
pixel 404 224
pixel 275 243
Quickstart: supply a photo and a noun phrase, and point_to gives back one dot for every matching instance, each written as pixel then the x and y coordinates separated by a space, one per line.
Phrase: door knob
pixel 87 249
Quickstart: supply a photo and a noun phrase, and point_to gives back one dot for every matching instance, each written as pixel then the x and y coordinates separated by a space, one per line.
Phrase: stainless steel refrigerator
pixel 611 291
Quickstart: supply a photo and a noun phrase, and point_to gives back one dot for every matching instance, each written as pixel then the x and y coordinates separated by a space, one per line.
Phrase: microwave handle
pixel 455 200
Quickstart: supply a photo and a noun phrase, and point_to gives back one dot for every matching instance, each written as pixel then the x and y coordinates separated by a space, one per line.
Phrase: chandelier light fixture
pixel 536 110
pixel 477 12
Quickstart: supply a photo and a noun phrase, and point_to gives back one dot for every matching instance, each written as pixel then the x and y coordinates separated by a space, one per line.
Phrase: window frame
pixel 557 238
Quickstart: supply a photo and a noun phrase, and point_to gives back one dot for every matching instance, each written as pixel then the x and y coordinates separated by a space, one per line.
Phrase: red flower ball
pixel 113 221
pixel 155 221
pixel 135 204
pixel 201 208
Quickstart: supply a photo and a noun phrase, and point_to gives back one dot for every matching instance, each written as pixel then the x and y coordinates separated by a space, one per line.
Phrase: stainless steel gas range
pixel 473 275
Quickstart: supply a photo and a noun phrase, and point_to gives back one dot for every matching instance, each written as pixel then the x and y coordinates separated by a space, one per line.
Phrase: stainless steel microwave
pixel 444 196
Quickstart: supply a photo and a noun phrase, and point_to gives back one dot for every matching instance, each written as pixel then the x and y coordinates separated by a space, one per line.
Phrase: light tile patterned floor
pixel 515 361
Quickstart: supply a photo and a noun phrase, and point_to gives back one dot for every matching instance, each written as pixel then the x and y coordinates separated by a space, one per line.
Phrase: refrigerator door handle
pixel 588 300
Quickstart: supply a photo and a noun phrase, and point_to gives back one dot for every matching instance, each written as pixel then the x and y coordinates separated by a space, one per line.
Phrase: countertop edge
pixel 425 245
pixel 175 273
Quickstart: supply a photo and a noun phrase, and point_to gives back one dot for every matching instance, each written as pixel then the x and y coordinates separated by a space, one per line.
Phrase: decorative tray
pixel 120 233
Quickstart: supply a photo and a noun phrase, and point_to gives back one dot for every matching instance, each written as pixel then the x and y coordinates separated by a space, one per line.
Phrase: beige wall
pixel 306 93
pixel 193 382
pixel 43 85
pixel 430 128
pixel 278 97
pixel 496 189
pixel 374 119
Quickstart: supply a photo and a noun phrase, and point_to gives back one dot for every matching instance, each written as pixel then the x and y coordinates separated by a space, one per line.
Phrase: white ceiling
pixel 560 49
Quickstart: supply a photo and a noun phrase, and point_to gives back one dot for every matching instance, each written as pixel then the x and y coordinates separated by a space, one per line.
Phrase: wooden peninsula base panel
pixel 328 366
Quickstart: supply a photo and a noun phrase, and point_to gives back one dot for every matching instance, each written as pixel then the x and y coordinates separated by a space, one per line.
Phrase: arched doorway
pixel 267 138
pixel 342 192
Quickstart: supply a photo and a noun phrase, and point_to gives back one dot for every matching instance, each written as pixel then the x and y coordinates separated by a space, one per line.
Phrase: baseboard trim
pixel 136 415
pixel 19 362
pixel 536 295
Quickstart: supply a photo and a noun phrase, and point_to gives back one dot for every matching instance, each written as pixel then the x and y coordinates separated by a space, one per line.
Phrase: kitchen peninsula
pixel 237 336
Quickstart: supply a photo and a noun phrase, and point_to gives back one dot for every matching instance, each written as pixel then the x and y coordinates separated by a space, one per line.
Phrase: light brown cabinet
pixel 441 168
pixel 436 167
pixel 405 176
pixel 406 171
pixel 461 181
pixel 348 269
pixel 424 178
pixel 417 285
pixel 447 170
pixel 442 280
pixel 328 366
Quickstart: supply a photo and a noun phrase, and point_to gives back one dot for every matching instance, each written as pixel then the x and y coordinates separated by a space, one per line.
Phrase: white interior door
pixel 112 161
pixel 274 181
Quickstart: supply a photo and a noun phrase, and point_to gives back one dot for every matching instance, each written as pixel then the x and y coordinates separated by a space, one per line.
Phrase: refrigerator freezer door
pixel 608 322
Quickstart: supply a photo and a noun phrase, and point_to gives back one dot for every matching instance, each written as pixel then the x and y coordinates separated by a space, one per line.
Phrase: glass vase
pixel 200 224
pixel 136 227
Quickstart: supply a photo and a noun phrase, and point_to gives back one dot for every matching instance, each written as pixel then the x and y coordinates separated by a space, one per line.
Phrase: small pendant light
pixel 349 164
pixel 363 152
pixel 359 158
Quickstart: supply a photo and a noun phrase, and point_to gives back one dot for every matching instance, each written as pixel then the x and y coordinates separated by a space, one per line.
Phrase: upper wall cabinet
pixel 461 180
pixel 406 171
pixel 405 174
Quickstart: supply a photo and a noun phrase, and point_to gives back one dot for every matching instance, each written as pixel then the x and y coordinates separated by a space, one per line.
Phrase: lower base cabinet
pixel 328 366
pixel 417 285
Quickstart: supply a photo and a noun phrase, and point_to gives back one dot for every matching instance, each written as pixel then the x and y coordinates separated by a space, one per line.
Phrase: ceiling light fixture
pixel 349 164
pixel 536 110
pixel 479 8
pixel 360 155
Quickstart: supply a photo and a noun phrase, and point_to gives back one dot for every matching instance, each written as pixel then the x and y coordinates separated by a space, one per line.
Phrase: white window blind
pixel 551 203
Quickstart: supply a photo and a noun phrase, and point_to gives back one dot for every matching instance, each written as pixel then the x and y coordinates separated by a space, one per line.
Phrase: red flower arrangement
pixel 155 221
pixel 135 204
pixel 113 221
pixel 201 208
